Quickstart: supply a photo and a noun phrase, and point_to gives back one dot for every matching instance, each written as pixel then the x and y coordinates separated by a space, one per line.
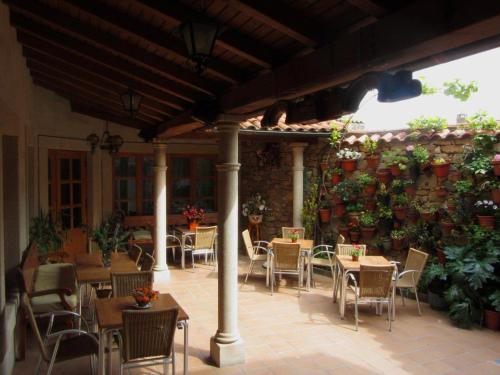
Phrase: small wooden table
pixel 109 319
pixel 185 232
pixel 344 264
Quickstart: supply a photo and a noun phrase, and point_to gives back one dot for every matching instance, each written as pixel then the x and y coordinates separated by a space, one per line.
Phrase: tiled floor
pixel 285 334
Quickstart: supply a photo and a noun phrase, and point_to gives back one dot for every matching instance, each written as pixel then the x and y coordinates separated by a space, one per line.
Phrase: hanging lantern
pixel 199 38
pixel 131 102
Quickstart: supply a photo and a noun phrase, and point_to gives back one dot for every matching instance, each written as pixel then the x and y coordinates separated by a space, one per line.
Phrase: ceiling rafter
pixel 282 18
pixel 164 41
pixel 56 19
pixel 370 7
pixel 229 39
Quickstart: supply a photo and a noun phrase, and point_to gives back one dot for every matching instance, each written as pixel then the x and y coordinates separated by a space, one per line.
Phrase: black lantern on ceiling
pixel 131 102
pixel 199 38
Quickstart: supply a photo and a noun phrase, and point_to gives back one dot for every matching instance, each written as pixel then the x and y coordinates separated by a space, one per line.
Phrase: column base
pixel 161 275
pixel 225 355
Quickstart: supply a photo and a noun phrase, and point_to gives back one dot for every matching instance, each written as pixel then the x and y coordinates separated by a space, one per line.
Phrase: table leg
pixel 185 326
pixel 100 358
pixel 183 246
pixel 309 271
pixel 343 292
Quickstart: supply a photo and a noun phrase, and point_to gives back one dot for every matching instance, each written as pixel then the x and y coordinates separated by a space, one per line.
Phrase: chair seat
pixel 259 257
pixel 404 283
pixel 320 262
pixel 75 347
pixel 52 302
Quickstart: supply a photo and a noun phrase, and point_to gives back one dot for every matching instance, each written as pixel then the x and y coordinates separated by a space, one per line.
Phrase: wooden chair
pixel 135 253
pixel 375 286
pixel 256 254
pixel 124 283
pixel 286 232
pixel 62 345
pixel 147 262
pixel 147 339
pixel 204 244
pixel 286 261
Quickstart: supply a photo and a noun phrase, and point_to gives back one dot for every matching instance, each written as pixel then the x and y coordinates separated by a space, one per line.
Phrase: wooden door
pixel 68 197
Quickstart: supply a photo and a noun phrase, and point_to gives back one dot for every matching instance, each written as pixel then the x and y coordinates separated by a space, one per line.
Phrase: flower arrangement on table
pixel 294 235
pixel 193 215
pixel 356 252
pixel 144 296
pixel 254 208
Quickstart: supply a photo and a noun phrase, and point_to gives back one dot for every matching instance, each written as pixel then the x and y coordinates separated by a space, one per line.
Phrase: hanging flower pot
pixel 384 176
pixel 427 216
pixel 411 190
pixel 487 222
pixel 397 244
pixel 369 190
pixel 323 165
pixel 255 219
pixel 495 196
pixel 337 200
pixel 370 205
pixel 447 227
pixel 355 236
pixel 372 161
pixel 339 210
pixel 440 167
pixel 395 170
pixel 496 164
pixel 325 214
pixel 368 233
pixel 349 165
pixel 412 216
pixel 441 192
pixel 400 212
pixel 353 217
pixel 344 231
pixel 492 319
pixel 336 178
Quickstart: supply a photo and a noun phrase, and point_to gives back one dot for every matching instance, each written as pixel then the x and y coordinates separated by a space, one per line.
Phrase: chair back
pixel 135 253
pixel 248 243
pixel 125 282
pixel 148 333
pixel 375 281
pixel 204 237
pixel 286 232
pixel 416 260
pixel 34 326
pixel 343 249
pixel 286 256
pixel 340 239
pixel 147 263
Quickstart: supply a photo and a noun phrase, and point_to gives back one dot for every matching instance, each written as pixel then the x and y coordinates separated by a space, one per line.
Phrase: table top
pixel 109 310
pixel 346 262
pixel 304 244
pixel 186 231
pixel 120 262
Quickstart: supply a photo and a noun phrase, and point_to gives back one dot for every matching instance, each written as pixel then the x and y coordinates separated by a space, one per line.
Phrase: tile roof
pixel 319 127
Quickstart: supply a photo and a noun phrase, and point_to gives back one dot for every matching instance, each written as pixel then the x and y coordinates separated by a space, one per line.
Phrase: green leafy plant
pixel 394 158
pixel 347 189
pixel 364 179
pixel 368 219
pixel 429 123
pixel 426 88
pixel 325 204
pixel 44 233
pixel 398 234
pixel 400 200
pixel 354 207
pixel 310 211
pixel 356 251
pixel 480 121
pixel 397 186
pixel 462 187
pixel 109 236
pixel 335 137
pixel 370 146
pixel 384 212
pixel 420 154
pixel 460 90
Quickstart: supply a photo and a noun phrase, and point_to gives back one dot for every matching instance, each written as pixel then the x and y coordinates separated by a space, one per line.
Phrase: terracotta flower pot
pixel 337 200
pixel 370 205
pixel 344 231
pixel 441 192
pixel 397 244
pixel 368 233
pixel 395 170
pixel 369 190
pixel 255 219
pixel 495 196
pixel 355 258
pixel 410 190
pixel 193 224
pixel 373 161
pixel 339 210
pixel 452 207
pixel 441 170
pixel 354 217
pixel 496 167
pixel 384 176
pixel 412 216
pixel 325 214
pixel 492 319
pixel 336 178
pixel 355 236
pixel 441 256
pixel 487 222
pixel 427 216
pixel 447 227
pixel 349 165
pixel 323 165
pixel 454 176
pixel 400 212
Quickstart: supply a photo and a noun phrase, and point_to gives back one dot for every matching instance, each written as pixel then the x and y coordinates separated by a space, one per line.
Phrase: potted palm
pixel 485 212
pixel 368 221
pixel 372 158
pixel 325 211
pixel 348 159
pixel 440 167
pixel 254 208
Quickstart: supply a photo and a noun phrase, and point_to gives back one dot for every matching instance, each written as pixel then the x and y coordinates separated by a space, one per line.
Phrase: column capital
pixel 299 145
pixel 228 127
pixel 160 168
pixel 227 167
pixel 159 145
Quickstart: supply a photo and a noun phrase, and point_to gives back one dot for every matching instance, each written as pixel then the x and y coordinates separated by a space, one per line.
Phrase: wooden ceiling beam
pixel 100 69
pixel 179 125
pixel 150 34
pixel 281 17
pixel 53 67
pixel 369 7
pixel 229 39
pixel 28 26
pixel 420 31
pixel 57 20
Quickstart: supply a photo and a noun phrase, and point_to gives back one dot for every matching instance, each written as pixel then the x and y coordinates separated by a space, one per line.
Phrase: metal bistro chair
pixel 204 244
pixel 173 242
pixel 285 260
pixel 135 253
pixel 147 263
pixel 375 286
pixel 256 253
pixel 342 249
pixel 63 345
pixel 321 256
pixel 148 339
pixel 124 283
pixel 286 232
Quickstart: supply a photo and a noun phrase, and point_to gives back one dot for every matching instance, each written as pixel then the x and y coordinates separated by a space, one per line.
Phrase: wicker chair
pixel 204 244
pixel 147 262
pixel 256 253
pixel 148 339
pixel 135 253
pixel 375 286
pixel 318 259
pixel 173 243
pixel 125 282
pixel 286 232
pixel 342 249
pixel 286 261
pixel 410 277
pixel 62 345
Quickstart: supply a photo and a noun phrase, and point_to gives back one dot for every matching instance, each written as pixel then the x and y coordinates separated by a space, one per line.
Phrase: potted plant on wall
pixel 410 187
pixel 348 159
pixel 492 311
pixel 354 232
pixel 372 158
pixel 344 230
pixel 397 237
pixel 418 157
pixel 368 221
pixel 400 206
pixel 447 225
pixel 440 167
pixel 385 220
pixel 368 184
pixel 336 175
pixel 496 164
pixel 441 191
pixel 397 186
pixel 384 176
pixel 354 212
pixel 325 211
pixel 485 212
pixel 427 212
pixel 383 196
pixel 397 163
pixel 495 191
pixel 253 208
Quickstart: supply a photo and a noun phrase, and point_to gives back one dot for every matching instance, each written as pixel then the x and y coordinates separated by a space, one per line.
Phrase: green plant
pixel 368 219
pixel 335 137
pixel 109 236
pixel 337 171
pixel 425 208
pixel 493 300
pixel 426 88
pixel 439 161
pixel 370 146
pixel 393 158
pixel 481 121
pixel 433 271
pixel 429 123
pixel 459 90
pixel 462 187
pixel 310 211
pixel 384 212
pixel 364 179
pixel 398 234
pixel 356 251
pixel 354 207
pixel 400 200
pixel 347 189
pixel 420 154
pixel 397 186
pixel 44 233
pixel 325 204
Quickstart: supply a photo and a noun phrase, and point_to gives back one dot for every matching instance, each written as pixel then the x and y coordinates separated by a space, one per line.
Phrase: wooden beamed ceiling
pixel 92 51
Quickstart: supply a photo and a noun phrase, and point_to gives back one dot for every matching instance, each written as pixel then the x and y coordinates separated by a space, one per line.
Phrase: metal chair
pixel 255 254
pixel 148 339
pixel 147 262
pixel 63 345
pixel 204 244
pixel 173 242
pixel 124 283
pixel 135 253
pixel 343 249
pixel 286 232
pixel 285 260
pixel 321 256
pixel 410 277
pixel 375 286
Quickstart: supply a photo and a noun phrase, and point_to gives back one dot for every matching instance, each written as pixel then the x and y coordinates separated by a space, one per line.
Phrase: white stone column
pixel 298 182
pixel 227 347
pixel 160 202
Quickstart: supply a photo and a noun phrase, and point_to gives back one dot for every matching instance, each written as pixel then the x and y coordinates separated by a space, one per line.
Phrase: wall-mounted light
pixel 93 139
pixel 131 102
pixel 111 143
pixel 199 38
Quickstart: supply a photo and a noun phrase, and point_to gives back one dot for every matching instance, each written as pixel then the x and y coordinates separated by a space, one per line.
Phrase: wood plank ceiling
pixel 92 51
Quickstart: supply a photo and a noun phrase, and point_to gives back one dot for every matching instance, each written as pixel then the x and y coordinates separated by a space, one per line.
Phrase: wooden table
pixel 345 263
pixel 109 319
